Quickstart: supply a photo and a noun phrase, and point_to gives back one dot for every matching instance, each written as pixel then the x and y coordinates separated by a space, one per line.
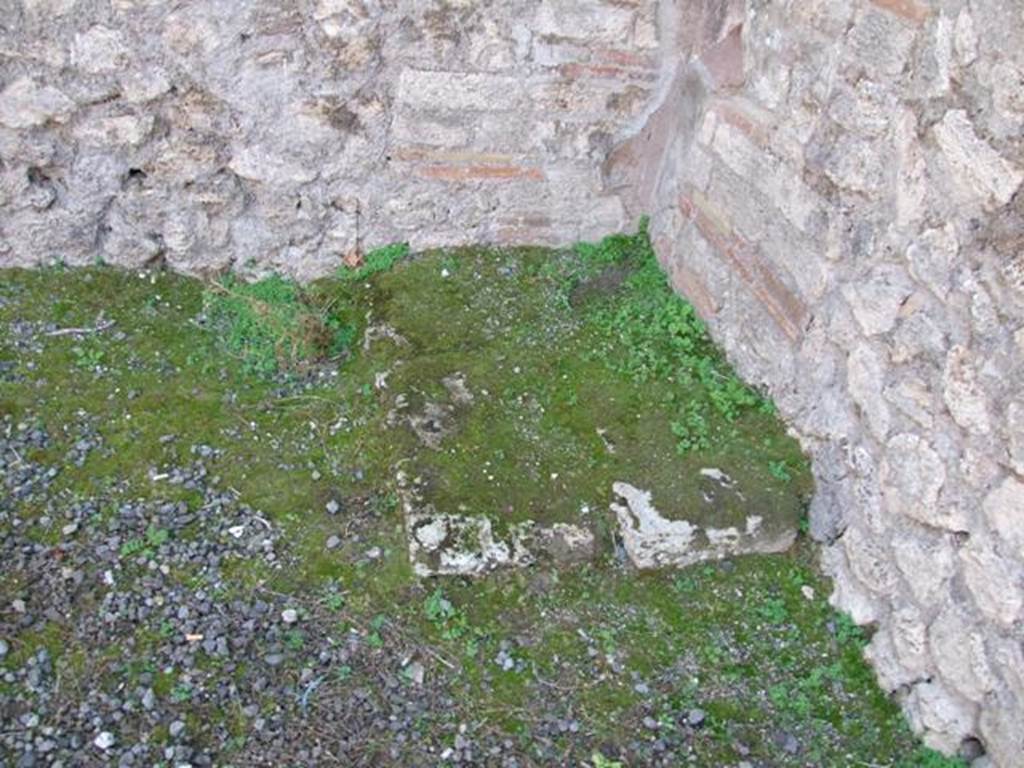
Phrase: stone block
pixel 876 301
pixel 982 173
pixel 963 393
pixel 870 561
pixel 779 183
pixel 1000 729
pixel 866 376
pixel 912 476
pixel 942 718
pixel 460 91
pixel 879 42
pixel 99 50
pixel 469 173
pixel 122 130
pixel 590 20
pixel 654 541
pixel 955 639
pixel 996 584
pixel 911 10
pixel 1004 511
pixel 1014 426
pixel 24 103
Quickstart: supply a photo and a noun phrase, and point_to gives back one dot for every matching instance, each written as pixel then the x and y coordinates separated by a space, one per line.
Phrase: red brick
pixel 745 259
pixel 743 120
pixel 912 10
pixel 579 71
pixel 724 59
pixel 626 58
pixel 479 172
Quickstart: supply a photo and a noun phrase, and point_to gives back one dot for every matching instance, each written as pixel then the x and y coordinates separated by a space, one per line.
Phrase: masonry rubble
pixel 835 185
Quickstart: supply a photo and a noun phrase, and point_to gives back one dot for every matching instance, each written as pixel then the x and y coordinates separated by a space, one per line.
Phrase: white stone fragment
pixel 653 541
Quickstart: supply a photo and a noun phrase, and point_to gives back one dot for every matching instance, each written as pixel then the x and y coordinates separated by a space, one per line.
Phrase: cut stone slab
pixel 654 541
pixel 443 544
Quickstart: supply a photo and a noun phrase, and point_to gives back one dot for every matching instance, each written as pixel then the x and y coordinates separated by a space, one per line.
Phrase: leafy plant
pixel 378 260
pixel 181 693
pixel 779 470
pixel 153 539
pixel 773 610
pixel 691 430
pixel 445 616
pixel 88 356
pixel 924 757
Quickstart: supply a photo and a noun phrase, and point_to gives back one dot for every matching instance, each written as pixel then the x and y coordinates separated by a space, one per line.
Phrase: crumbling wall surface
pixel 215 134
pixel 836 184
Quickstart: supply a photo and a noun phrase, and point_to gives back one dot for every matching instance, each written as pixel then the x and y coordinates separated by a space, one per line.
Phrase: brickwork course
pixel 834 184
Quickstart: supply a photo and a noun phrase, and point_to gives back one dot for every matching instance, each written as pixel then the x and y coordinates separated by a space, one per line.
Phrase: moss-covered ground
pixel 583 369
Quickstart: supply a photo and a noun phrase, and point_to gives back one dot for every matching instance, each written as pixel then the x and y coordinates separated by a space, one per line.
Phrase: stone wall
pixel 836 184
pixel 267 135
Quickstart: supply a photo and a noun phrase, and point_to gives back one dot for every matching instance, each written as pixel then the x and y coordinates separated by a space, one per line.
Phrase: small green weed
pixel 378 260
pixel 847 632
pixel 600 761
pixel 154 538
pixel 780 471
pixel 88 356
pixel 924 757
pixel 295 639
pixel 773 610
pixel 691 430
pixel 440 612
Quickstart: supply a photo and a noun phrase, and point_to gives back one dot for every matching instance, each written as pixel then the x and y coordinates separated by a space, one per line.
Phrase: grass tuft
pixel 272 325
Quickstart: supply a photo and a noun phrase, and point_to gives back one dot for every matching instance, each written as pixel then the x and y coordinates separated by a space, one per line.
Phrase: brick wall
pixel 267 136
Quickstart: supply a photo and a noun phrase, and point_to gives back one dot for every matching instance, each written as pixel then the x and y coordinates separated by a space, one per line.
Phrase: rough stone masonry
pixel 835 184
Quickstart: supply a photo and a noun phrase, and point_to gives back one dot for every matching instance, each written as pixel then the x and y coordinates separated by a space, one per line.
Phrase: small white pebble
pixel 104 740
pixel 807 592
pixel 237 531
pixel 289 616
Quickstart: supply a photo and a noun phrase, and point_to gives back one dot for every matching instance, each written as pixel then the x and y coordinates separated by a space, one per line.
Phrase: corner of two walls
pixel 836 186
